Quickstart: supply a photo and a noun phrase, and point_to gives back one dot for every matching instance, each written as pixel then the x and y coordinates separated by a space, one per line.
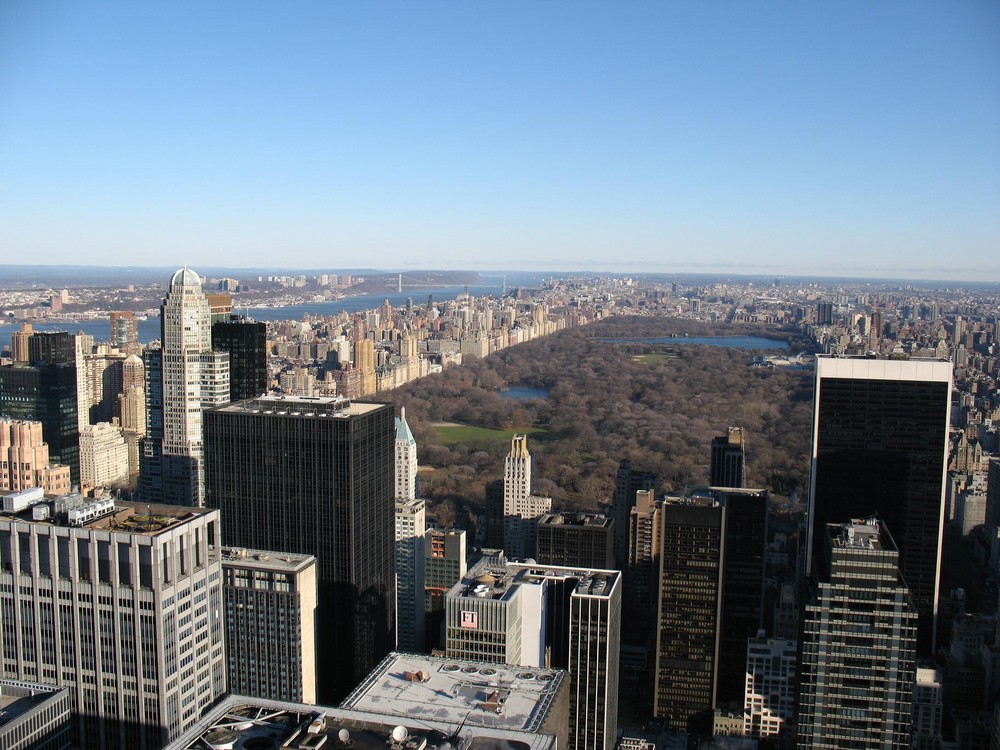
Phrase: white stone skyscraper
pixel 194 378
pixel 411 524
pixel 516 475
pixel 406 459
pixel 521 508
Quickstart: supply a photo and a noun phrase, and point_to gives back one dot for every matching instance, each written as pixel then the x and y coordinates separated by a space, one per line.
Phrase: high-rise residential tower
pixel 194 378
pixel 880 446
pixel 857 667
pixel 728 468
pixel 315 476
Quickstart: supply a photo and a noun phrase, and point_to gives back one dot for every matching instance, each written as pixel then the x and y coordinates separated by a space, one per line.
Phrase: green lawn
pixel 463 433
pixel 648 359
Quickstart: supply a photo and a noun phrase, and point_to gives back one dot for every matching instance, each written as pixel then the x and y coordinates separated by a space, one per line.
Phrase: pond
pixel 524 393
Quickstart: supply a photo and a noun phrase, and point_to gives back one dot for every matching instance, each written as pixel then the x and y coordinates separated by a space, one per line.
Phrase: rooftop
pixel 575 519
pixel 285 562
pixel 256 724
pixel 305 406
pixel 18 698
pixel 103 513
pixel 497 577
pixel 437 690
pixel 858 535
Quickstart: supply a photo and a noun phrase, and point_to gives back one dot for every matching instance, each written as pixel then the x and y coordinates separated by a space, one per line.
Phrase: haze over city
pixel 774 138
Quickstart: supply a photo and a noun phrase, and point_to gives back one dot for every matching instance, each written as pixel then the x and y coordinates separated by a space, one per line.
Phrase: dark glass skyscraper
pixel 315 476
pixel 880 442
pixel 246 342
pixel 728 468
pixel 46 393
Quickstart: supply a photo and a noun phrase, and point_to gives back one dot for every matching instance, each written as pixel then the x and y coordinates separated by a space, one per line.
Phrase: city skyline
pixel 772 139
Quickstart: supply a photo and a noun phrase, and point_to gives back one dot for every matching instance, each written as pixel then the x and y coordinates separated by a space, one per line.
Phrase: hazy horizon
pixel 775 138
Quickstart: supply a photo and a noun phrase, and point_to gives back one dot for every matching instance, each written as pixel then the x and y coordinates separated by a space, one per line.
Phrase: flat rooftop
pixel 18 698
pixel 441 689
pixel 147 519
pixel 255 724
pixel 304 406
pixel 590 581
pixel 598 520
pixel 496 577
pixel 257 559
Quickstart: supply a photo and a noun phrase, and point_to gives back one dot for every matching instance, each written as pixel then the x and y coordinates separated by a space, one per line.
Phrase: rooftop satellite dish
pixel 344 736
pixel 399 734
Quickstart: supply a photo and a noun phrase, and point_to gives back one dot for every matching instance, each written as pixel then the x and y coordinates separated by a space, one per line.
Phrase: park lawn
pixel 648 359
pixel 450 434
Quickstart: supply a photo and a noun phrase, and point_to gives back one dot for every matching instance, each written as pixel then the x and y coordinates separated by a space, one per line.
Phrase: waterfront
pixel 149 329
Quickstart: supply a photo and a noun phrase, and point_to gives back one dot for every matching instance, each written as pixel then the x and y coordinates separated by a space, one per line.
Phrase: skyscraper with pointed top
pixel 411 525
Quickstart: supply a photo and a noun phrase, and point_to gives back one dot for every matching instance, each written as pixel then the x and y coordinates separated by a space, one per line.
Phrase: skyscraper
pixel 246 343
pixel 46 393
pixel 315 476
pixel 857 666
pixel 270 618
pixel 406 459
pixel 521 507
pixel 566 617
pixel 124 331
pixel 24 460
pixel 444 566
pixel 411 525
pixel 880 442
pixel 120 603
pixel 194 378
pixel 628 481
pixel 577 540
pixel 728 467
pixel 692 539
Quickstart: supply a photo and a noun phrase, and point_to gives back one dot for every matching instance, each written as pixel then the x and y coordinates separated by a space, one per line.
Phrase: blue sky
pixel 827 138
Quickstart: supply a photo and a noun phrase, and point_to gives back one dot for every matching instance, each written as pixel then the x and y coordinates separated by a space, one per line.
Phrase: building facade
pixel 104 457
pixel 445 564
pixel 194 378
pixel 858 645
pixel 584 540
pixel 119 603
pixel 245 341
pixel 315 477
pixel 47 394
pixel 411 525
pixel 880 442
pixel 771 677
pixel 270 617
pixel 692 539
pixel 728 467
pixel 24 460
pixel 628 481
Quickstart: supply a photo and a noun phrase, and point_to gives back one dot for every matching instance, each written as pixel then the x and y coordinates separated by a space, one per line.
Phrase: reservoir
pixel 724 342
